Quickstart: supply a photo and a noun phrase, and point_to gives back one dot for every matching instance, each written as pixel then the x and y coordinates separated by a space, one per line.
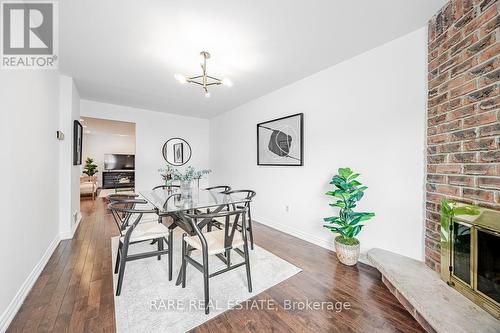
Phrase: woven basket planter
pixel 347 254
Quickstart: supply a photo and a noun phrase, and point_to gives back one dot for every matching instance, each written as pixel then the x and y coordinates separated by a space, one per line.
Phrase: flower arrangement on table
pixel 170 174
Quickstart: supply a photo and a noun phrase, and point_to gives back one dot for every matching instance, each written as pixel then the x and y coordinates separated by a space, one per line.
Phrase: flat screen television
pixel 119 162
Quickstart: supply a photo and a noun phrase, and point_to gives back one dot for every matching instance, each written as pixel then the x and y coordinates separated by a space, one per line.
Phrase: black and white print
pixel 280 141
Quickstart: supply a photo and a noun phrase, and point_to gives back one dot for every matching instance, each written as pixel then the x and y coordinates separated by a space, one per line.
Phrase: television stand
pixel 118 179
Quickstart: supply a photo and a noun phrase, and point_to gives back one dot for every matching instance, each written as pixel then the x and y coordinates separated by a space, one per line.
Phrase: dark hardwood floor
pixel 74 293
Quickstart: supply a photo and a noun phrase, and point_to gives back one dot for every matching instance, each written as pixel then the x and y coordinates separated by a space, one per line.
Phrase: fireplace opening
pixel 470 257
pixel 488 264
pixel 462 252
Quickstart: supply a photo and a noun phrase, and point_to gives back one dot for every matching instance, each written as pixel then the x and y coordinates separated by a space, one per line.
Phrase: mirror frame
pixel 165 155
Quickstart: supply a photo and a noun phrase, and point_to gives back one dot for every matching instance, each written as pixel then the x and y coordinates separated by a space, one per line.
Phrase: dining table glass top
pixel 170 201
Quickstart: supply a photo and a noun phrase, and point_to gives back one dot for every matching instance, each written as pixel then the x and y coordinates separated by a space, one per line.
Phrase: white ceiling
pixel 94 126
pixel 127 51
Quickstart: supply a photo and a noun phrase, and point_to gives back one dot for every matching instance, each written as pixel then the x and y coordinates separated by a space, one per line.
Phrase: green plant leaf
pixel 354 183
pixel 353 176
pixel 335 230
pixel 339 204
pixel 363 216
pixel 345 172
pixel 357 230
pixel 359 196
pixel 355 221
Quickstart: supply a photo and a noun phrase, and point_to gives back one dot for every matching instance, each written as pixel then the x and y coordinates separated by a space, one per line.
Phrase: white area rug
pixel 150 303
pixel 105 192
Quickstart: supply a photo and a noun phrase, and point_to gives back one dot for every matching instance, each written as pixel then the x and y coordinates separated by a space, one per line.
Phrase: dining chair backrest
pixel 249 194
pixel 120 219
pixel 220 188
pixel 165 187
pixel 123 210
pixel 121 196
pixel 231 219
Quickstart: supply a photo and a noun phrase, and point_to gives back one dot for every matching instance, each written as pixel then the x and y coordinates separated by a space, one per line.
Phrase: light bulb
pixel 181 78
pixel 207 94
pixel 227 82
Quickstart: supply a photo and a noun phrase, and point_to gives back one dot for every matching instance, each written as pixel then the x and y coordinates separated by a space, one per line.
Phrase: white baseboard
pixel 313 239
pixel 69 235
pixel 295 232
pixel 17 301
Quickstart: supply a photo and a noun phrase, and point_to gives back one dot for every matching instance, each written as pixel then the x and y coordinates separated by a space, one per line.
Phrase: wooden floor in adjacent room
pixel 74 293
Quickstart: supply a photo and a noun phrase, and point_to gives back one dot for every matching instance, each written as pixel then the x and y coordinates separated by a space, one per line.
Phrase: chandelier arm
pixel 214 84
pixel 198 83
pixel 195 77
pixel 214 78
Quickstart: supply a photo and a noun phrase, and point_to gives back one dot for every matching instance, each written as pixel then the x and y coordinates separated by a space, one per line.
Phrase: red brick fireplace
pixel 463 120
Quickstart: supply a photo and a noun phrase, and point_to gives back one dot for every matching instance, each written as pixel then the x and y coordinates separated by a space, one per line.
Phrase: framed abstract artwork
pixel 280 141
pixel 77 142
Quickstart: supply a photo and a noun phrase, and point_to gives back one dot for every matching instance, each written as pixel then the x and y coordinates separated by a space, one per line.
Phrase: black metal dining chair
pixel 166 187
pixel 217 189
pixel 249 194
pixel 121 196
pixel 131 231
pixel 173 191
pixel 217 243
pixel 129 196
pixel 220 188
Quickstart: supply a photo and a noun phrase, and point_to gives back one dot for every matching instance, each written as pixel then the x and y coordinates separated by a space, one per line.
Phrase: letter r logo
pixel 27 28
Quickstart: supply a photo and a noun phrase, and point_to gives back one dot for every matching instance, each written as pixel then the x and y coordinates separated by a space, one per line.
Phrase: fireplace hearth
pixel 470 257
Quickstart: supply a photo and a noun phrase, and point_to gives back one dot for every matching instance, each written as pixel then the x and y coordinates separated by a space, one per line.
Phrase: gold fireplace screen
pixel 470 258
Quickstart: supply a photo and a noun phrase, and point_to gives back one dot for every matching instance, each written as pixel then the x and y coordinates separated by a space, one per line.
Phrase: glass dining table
pixel 170 202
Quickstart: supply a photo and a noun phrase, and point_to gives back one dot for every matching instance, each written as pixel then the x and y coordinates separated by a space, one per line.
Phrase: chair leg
pixel 117 263
pixel 247 265
pixel 250 229
pixel 184 263
pixel 160 246
pixel 205 280
pixel 228 258
pixel 170 244
pixel 123 261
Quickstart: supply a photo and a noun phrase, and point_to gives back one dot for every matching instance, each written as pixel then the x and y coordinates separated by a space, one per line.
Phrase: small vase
pixel 186 190
pixel 347 254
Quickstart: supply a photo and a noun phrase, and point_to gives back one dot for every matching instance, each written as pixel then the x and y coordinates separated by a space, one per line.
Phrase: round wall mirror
pixel 176 151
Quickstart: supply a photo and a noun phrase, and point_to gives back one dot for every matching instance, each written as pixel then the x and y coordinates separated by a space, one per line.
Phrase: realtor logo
pixel 29 34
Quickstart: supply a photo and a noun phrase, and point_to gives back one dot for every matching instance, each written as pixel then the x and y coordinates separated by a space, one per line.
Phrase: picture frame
pixel 77 142
pixel 178 153
pixel 280 142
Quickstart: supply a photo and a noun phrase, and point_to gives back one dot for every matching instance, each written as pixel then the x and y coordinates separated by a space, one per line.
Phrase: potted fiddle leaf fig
pixel 90 167
pixel 347 224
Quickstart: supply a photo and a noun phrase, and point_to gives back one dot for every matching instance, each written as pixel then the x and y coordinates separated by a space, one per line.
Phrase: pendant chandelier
pixel 204 80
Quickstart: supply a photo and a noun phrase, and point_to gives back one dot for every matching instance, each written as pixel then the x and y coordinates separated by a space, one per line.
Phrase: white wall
pixel 367 113
pixel 96 145
pixel 29 104
pixel 69 185
pixel 152 130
